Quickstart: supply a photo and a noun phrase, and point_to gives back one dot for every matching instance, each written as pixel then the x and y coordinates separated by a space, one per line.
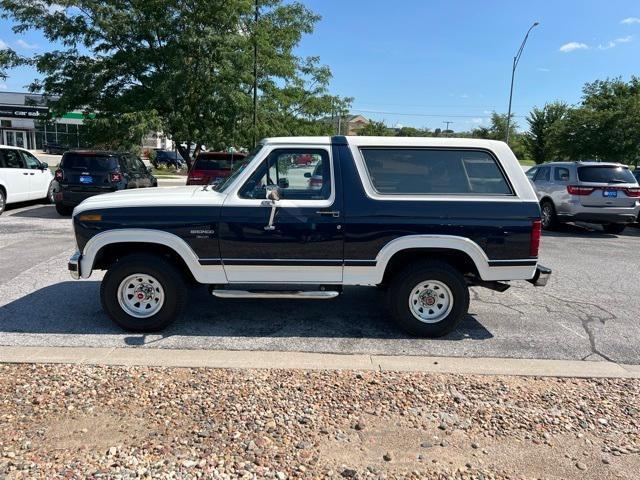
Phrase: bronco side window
pixel 423 171
pixel 301 173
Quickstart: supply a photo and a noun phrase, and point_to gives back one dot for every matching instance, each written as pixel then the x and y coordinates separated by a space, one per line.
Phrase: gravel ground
pixel 61 421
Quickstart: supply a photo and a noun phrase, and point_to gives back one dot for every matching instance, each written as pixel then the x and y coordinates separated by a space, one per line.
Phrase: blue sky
pixel 424 62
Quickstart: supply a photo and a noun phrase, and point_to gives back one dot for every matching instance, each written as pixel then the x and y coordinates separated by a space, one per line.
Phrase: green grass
pixel 527 163
pixel 166 172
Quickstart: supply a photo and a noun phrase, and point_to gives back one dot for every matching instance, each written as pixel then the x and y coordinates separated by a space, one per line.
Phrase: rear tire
pixel 549 218
pixel 50 198
pixel 151 276
pixel 3 201
pixel 428 299
pixel 64 210
pixel 614 228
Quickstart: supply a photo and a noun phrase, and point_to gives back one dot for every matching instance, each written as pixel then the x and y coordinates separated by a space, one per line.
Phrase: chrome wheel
pixel 140 295
pixel 431 301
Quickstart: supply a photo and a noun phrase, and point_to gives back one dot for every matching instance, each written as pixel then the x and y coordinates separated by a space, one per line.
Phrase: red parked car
pixel 303 160
pixel 210 167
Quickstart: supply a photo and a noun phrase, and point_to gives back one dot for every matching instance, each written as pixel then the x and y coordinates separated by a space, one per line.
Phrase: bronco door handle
pixel 329 213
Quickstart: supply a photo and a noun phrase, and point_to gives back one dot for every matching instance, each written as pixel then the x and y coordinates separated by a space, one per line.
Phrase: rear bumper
pixel 74 266
pixel 579 213
pixel 72 199
pixel 541 277
pixel 599 217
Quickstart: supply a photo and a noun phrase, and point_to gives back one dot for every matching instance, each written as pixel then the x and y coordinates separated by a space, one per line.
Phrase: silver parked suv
pixel 594 192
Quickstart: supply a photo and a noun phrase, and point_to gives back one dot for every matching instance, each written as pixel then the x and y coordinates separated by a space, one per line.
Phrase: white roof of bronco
pixel 523 189
pixel 390 141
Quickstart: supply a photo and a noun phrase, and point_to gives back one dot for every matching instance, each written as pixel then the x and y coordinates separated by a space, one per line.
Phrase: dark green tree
pixel 8 60
pixel 606 125
pixel 414 132
pixel 542 139
pixel 376 129
pixel 192 65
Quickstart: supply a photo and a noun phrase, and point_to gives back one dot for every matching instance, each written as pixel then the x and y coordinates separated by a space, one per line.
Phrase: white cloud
pixel 613 43
pixel 4 86
pixel 477 120
pixel 3 45
pixel 571 46
pixel 464 95
pixel 55 8
pixel 630 20
pixel 28 46
pixel 542 69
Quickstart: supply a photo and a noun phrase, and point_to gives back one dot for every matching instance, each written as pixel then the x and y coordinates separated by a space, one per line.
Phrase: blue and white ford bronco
pixel 422 218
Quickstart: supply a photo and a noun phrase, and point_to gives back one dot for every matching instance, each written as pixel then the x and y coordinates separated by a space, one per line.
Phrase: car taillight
pixel 575 190
pixel 196 175
pixel 536 233
pixel 59 175
pixel 632 192
pixel 115 177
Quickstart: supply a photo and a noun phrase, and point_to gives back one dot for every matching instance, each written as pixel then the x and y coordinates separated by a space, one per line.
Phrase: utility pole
pixel 255 74
pixel 516 59
pixel 447 129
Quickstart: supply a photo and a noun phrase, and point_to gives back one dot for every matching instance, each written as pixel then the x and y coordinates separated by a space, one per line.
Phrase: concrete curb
pixel 315 361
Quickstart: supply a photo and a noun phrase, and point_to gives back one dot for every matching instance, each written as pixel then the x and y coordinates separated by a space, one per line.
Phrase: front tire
pixel 428 299
pixel 143 293
pixel 614 228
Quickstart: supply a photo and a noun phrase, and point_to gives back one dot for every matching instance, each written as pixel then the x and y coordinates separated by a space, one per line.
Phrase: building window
pixel 5 123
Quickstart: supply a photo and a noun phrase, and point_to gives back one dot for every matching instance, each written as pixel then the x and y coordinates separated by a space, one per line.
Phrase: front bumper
pixel 74 265
pixel 541 277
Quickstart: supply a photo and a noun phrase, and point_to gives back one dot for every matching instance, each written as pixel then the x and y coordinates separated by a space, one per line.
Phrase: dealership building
pixel 25 122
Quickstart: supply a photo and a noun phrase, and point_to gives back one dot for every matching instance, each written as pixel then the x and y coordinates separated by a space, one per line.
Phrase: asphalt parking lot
pixel 590 310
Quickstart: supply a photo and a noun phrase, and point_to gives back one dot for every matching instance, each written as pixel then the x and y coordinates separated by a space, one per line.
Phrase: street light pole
pixel 255 74
pixel 516 59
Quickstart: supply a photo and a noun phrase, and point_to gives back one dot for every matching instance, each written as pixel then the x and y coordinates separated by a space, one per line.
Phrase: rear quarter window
pixel 91 163
pixel 424 171
pixel 606 174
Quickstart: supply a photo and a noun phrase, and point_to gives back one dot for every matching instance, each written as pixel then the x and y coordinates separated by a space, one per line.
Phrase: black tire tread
pixel 64 210
pixel 403 282
pixel 553 223
pixel 166 272
pixel 614 228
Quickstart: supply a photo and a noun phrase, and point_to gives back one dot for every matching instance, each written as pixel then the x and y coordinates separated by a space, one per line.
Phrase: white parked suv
pixel 23 177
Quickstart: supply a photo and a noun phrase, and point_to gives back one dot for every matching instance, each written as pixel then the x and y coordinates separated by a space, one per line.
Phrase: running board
pixel 305 295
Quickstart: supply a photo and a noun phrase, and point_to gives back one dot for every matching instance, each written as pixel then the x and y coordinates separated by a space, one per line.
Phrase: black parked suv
pixel 83 174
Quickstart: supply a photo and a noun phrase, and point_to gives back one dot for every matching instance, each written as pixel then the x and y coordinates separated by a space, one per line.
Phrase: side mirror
pixel 283 183
pixel 273 192
pixel 307 175
pixel 44 165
